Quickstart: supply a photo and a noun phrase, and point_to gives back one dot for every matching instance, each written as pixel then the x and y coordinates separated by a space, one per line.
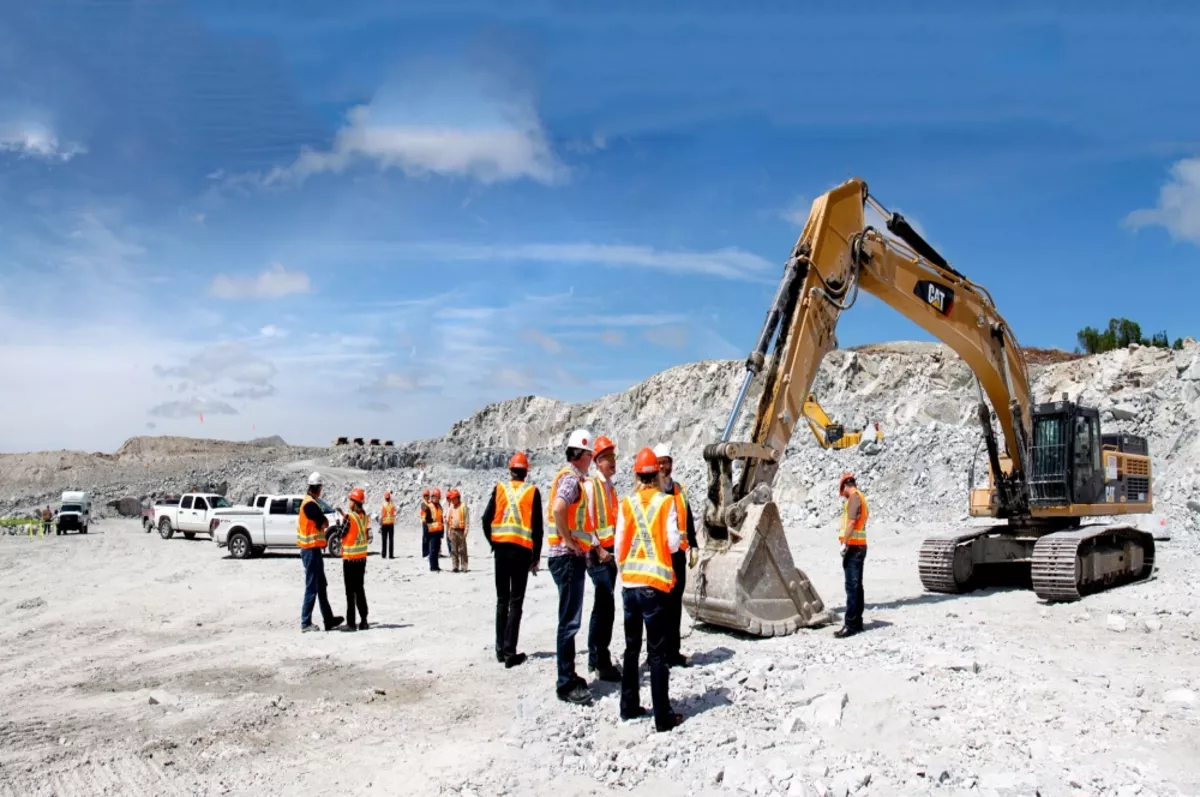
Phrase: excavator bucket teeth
pixel 753 585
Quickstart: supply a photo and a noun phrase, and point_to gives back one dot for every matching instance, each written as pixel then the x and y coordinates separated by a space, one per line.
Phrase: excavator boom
pixel 748 579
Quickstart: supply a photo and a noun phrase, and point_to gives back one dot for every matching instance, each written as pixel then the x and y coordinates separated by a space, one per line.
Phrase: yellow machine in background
pixel 1055 470
pixel 828 433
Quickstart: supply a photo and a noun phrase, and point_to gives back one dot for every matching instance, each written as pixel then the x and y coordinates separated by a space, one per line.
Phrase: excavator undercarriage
pixel 1055 470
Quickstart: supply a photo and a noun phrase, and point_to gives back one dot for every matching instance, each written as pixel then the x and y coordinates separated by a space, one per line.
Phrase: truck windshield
pixel 220 503
pixel 71 508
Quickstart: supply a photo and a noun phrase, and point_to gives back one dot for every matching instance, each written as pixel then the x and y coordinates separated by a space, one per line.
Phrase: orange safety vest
pixel 681 504
pixel 604 511
pixel 354 544
pixel 577 515
pixel 858 533
pixel 308 535
pixel 458 520
pixel 645 555
pixel 513 519
pixel 387 514
pixel 435 525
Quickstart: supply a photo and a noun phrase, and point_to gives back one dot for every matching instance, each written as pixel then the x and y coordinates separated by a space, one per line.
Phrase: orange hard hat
pixel 645 462
pixel 519 461
pixel 452 494
pixel 437 493
pixel 603 444
pixel 846 477
pixel 357 494
pixel 387 496
pixel 425 494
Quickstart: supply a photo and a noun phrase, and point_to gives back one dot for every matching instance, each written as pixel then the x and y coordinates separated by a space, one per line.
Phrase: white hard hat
pixel 663 451
pixel 580 438
pixel 314 479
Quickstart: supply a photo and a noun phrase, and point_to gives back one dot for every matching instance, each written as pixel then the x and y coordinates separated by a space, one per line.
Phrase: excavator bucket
pixel 753 584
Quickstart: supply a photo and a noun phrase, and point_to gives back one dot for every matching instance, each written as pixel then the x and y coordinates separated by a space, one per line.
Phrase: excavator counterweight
pixel 1048 469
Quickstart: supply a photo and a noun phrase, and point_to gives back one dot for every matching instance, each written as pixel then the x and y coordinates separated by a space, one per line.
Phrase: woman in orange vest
pixel 647 535
pixel 354 560
pixel 387 528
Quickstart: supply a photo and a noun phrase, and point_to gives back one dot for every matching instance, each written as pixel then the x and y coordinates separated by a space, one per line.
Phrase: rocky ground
pixel 991 693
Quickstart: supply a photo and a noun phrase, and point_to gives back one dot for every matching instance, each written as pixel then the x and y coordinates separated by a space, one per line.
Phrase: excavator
pixel 828 434
pixel 1055 468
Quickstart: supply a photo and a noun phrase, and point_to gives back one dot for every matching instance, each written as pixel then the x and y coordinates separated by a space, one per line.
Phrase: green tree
pixel 1119 333
pixel 1178 344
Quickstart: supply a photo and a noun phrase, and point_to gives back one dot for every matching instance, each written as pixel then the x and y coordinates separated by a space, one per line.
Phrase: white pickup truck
pixel 271 523
pixel 193 515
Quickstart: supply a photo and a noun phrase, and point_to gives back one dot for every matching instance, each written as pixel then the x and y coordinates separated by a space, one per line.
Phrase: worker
pixel 602 563
pixel 512 525
pixel 354 560
pixel 686 556
pixel 647 534
pixel 435 528
pixel 310 539
pixel 570 540
pixel 47 517
pixel 458 531
pixel 424 526
pixel 387 528
pixel 853 539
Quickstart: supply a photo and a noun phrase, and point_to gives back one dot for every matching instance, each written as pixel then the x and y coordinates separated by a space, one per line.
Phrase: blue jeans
pixel 600 627
pixel 569 573
pixel 435 549
pixel 314 587
pixel 648 606
pixel 852 564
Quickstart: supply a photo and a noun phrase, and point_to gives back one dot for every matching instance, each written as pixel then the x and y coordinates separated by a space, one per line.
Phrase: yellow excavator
pixel 1056 468
pixel 828 434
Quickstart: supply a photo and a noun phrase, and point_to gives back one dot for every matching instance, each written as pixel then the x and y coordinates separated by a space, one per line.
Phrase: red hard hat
pixel 846 477
pixel 519 461
pixel 357 494
pixel 452 494
pixel 645 462
pixel 387 496
pixel 603 444
pixel 437 492
pixel 425 494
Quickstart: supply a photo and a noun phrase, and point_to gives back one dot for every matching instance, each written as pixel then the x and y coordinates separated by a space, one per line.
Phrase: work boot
pixel 637 713
pixel 308 629
pixel 845 631
pixel 674 721
pixel 351 628
pixel 577 694
pixel 607 672
pixel 334 623
pixel 679 661
pixel 516 660
pixel 363 626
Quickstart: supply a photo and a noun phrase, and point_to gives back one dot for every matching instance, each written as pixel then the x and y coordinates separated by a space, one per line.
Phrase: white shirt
pixel 673 535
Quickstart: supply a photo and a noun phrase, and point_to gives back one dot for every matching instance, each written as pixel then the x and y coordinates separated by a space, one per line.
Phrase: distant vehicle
pixel 148 511
pixel 193 515
pixel 272 524
pixel 74 512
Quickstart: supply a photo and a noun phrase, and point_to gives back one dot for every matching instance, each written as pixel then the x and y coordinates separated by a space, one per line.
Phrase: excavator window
pixel 1087 476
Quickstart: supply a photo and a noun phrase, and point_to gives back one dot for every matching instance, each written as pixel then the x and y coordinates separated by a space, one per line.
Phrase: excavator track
pixel 1070 564
pixel 943 568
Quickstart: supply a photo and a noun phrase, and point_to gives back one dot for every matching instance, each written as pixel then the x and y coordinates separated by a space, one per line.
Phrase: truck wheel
pixel 239 545
pixel 164 529
pixel 334 545
pixel 189 535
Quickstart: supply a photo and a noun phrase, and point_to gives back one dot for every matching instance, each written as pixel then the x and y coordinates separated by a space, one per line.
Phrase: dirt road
pixel 141 666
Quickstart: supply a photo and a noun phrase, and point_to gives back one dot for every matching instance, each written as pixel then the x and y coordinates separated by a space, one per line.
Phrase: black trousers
pixel 424 541
pixel 435 549
pixel 388 547
pixel 354 571
pixel 646 606
pixel 852 565
pixel 674 606
pixel 600 627
pixel 512 576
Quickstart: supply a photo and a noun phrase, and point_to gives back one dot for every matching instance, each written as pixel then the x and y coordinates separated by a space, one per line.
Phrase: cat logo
pixel 939 297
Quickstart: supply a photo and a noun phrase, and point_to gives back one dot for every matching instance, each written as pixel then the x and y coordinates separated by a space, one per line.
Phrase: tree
pixel 1120 333
pixel 1178 344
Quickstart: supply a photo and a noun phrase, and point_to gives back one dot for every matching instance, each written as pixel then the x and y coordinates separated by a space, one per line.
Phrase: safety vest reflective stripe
pixel 458 518
pixel 513 519
pixel 604 520
pixel 645 558
pixel 577 515
pixel 858 534
pixel 354 544
pixel 387 515
pixel 308 535
pixel 435 524
pixel 681 504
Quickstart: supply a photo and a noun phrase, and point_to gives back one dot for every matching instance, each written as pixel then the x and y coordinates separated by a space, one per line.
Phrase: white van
pixel 74 512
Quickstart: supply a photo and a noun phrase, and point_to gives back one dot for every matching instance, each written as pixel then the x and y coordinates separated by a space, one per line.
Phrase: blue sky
pixel 373 220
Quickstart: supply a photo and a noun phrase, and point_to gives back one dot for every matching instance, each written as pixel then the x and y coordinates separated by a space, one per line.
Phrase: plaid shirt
pixel 569 487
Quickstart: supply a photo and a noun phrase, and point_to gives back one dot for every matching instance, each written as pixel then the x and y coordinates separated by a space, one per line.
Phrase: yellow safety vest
pixel 681 505
pixel 577 515
pixel 858 534
pixel 354 544
pixel 604 511
pixel 645 555
pixel 513 519
pixel 308 535
pixel 387 514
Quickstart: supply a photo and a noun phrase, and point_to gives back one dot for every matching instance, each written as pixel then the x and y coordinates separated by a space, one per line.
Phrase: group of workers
pixel 645 542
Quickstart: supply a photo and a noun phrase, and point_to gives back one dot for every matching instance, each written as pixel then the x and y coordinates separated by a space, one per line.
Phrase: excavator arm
pixel 827 433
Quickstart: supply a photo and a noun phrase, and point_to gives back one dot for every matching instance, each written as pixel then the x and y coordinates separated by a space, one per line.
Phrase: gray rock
pixel 948 661
pixel 161 698
pixel 1181 697
pixel 1116 622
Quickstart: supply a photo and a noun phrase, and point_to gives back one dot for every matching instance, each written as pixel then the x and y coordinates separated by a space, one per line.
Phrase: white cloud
pixel 797 211
pixel 404 382
pixel 274 283
pixel 376 406
pixel 224 361
pixel 253 392
pixel 546 342
pixel 29 140
pixel 1178 206
pixel 672 337
pixel 191 408
pixel 626 320
pixel 272 331
pixel 729 262
pixel 613 337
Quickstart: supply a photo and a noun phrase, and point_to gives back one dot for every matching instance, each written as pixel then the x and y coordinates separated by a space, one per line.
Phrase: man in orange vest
pixel 682 559
pixel 354 560
pixel 570 540
pixel 387 528
pixel 602 564
pixel 512 525
pixel 435 525
pixel 647 534
pixel 853 538
pixel 424 525
pixel 458 521
pixel 310 539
